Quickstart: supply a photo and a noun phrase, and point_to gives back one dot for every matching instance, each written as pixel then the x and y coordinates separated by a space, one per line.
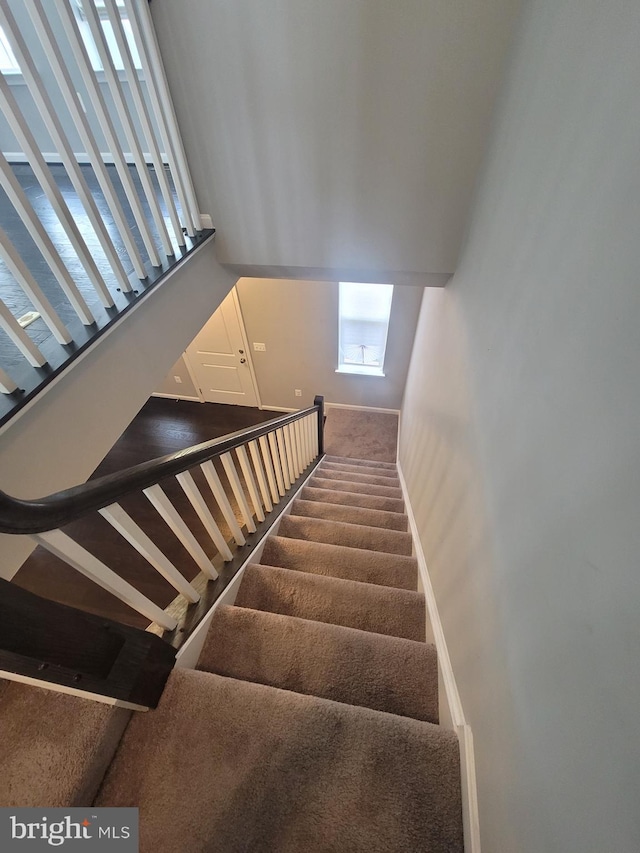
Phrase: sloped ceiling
pixel 336 137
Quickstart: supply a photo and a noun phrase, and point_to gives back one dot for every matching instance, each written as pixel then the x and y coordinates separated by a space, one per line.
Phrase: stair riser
pixel 350 515
pixel 367 479
pixel 361 470
pixel 356 499
pixel 383 610
pixel 347 535
pixel 268 770
pixel 358 488
pixel 336 561
pixel 319 659
pixel 367 463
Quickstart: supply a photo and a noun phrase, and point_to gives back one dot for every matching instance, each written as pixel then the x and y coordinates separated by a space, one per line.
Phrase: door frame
pixel 247 350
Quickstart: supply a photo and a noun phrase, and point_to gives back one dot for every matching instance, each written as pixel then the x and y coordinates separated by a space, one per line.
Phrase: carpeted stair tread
pixel 360 469
pixel 350 514
pixel 366 479
pixel 347 485
pixel 368 607
pixel 339 561
pixel 232 766
pixel 335 496
pixel 54 748
pixel 367 463
pixel 361 476
pixel 319 659
pixel 346 534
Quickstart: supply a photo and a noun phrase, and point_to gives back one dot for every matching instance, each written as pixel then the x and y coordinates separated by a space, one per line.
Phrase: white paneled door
pixel 218 358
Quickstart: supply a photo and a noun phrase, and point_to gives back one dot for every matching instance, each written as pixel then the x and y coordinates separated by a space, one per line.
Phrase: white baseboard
pixel 328 405
pixel 451 713
pixel 176 397
pixel 277 409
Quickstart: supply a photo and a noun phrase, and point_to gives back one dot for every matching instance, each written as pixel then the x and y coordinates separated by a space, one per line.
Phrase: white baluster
pixel 305 441
pixel 68 21
pixel 40 237
pixel 311 422
pixel 260 475
pixel 63 547
pixel 295 447
pixel 135 536
pixel 243 459
pixel 20 272
pixel 30 147
pixel 142 111
pixel 223 501
pixel 198 503
pixel 20 338
pixel 142 24
pixel 269 463
pixel 314 435
pixel 289 448
pixel 126 122
pixel 68 90
pixel 177 524
pixel 7 385
pixel 234 482
pixel 58 136
pixel 284 465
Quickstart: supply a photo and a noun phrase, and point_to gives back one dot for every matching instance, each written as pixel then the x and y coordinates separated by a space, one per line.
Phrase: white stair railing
pixel 138 125
pixel 242 499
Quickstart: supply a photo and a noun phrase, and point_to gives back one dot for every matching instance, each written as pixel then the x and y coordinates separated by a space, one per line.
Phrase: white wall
pixel 298 323
pixel 520 441
pixel 334 135
pixel 61 439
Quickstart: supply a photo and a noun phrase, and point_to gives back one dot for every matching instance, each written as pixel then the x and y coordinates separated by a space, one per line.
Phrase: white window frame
pixel 8 62
pixel 89 43
pixel 348 361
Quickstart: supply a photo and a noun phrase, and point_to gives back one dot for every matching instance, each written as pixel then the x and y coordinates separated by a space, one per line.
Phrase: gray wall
pixel 184 388
pixel 335 136
pixel 60 440
pixel 298 322
pixel 520 441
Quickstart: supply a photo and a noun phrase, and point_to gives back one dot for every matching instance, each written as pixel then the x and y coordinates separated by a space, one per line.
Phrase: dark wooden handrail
pixel 19 516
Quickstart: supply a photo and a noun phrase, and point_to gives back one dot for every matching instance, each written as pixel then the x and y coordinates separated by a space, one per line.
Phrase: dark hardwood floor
pixel 162 426
pixel 13 295
pixel 30 379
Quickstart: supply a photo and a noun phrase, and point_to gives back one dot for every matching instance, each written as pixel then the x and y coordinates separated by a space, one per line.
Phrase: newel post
pixel 319 402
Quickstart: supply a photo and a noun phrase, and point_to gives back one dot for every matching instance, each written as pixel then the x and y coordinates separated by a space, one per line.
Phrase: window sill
pixel 360 370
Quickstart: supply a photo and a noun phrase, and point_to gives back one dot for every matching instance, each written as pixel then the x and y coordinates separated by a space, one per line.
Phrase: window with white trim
pixel 107 29
pixel 8 63
pixel 364 313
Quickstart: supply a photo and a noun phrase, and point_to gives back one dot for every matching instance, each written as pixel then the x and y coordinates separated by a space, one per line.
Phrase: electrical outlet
pixel 260 347
pixel 178 380
pixel 298 392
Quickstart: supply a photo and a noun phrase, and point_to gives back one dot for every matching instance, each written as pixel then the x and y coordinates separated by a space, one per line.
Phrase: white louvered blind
pixel 364 312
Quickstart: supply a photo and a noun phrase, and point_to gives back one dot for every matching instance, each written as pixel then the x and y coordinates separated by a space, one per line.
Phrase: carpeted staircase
pixel 311 722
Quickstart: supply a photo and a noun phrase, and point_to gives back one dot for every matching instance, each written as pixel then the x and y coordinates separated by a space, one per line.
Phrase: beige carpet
pixel 361 434
pixel 311 725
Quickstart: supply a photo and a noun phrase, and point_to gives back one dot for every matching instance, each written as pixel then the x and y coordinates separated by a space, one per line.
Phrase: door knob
pixel 243 361
pixel 241 351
